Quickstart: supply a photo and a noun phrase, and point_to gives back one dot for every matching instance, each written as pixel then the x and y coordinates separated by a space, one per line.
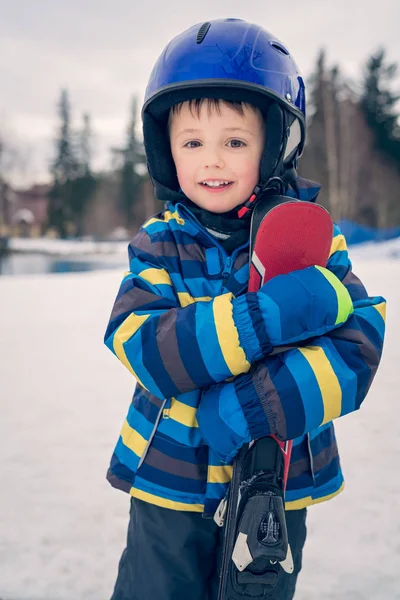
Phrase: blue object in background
pixel 357 234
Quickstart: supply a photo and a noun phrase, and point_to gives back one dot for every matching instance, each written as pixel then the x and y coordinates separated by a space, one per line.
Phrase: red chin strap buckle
pixel 246 208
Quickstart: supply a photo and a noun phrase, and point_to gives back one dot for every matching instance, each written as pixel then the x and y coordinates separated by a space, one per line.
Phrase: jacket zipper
pixel 228 260
pixel 228 264
pixel 310 457
pixel 160 413
pixel 227 269
pixel 166 408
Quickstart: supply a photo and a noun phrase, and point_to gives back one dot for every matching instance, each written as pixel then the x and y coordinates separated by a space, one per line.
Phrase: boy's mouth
pixel 216 185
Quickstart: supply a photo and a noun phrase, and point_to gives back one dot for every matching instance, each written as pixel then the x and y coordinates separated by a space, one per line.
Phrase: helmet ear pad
pixel 160 163
pixel 275 127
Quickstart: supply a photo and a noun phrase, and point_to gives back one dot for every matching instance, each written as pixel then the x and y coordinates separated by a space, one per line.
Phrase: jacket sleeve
pixel 294 392
pixel 173 343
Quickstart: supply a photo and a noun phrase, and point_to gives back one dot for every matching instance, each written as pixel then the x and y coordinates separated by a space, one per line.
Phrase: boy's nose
pixel 214 159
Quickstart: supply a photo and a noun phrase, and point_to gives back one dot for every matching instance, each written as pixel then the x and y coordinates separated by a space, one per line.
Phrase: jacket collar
pixel 307 190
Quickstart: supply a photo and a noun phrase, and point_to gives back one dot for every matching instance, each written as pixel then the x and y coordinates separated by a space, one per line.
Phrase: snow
pixel 81 247
pixel 379 250
pixel 67 247
pixel 63 398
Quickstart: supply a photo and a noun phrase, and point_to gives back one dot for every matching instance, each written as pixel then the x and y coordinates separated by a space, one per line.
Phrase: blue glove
pixel 290 308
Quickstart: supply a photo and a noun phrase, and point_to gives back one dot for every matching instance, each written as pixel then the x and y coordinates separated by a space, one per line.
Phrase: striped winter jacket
pixel 198 398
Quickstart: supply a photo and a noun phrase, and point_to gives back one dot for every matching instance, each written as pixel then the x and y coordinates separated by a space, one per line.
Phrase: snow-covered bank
pixel 389 249
pixel 376 250
pixel 66 247
pixel 62 400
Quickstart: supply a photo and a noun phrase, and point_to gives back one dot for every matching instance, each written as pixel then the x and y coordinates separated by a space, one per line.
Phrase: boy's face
pixel 217 154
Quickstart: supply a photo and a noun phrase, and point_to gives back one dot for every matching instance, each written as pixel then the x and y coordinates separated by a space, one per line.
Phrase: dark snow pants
pixel 173 555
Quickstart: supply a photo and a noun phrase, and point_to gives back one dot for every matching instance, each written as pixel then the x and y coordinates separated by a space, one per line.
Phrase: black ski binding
pixel 256 542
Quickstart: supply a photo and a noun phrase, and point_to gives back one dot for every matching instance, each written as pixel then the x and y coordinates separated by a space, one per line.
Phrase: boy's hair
pixel 213 104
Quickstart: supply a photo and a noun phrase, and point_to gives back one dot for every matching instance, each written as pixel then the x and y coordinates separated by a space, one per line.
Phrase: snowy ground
pixel 62 400
pixel 66 247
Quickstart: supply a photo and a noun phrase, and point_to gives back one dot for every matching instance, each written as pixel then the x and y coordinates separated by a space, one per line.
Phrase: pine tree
pixel 73 182
pixel 65 163
pixel 353 143
pixel 337 141
pixel 64 170
pixel 85 145
pixel 379 102
pixel 84 183
pixel 314 162
pixel 132 164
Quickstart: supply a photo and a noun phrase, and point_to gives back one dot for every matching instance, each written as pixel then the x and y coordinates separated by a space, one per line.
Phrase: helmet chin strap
pixel 274 184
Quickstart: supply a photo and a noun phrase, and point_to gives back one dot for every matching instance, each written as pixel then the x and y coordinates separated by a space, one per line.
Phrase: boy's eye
pixel 236 143
pixel 192 144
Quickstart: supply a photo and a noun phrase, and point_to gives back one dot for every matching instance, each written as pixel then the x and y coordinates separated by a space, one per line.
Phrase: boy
pixel 223 122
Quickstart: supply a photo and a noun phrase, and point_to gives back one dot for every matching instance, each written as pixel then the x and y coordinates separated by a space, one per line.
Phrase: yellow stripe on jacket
pixel 327 380
pixel 228 336
pixel 124 332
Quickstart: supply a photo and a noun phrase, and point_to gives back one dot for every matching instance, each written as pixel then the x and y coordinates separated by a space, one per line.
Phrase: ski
pixel 285 235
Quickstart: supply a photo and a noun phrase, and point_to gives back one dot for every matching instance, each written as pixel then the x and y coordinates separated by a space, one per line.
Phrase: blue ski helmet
pixel 232 60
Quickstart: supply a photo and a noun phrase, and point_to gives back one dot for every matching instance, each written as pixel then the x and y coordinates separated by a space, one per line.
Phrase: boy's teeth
pixel 215 183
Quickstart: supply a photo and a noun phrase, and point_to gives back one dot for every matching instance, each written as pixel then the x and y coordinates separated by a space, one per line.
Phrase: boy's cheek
pixel 185 182
pixel 184 171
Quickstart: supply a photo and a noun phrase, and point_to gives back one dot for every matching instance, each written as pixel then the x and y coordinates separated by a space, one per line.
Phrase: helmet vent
pixel 280 48
pixel 201 34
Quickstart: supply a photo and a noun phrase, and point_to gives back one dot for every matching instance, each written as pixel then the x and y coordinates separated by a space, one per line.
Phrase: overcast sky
pixel 102 51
